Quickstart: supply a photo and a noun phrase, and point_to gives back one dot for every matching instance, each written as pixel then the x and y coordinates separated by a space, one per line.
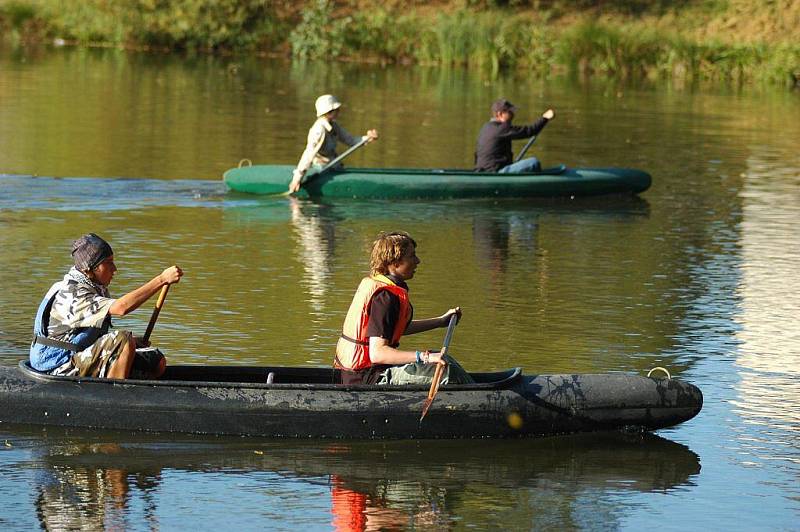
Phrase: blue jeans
pixel 531 164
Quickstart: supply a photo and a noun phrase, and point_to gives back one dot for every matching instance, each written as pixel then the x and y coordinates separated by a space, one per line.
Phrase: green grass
pixel 620 38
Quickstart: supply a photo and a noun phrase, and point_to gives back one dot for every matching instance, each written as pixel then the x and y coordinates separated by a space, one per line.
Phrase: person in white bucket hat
pixel 323 137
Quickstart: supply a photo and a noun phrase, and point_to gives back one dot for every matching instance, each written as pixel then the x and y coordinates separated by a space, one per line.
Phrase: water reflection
pixel 101 480
pixel 89 498
pixel 506 229
pixel 315 229
pixel 768 392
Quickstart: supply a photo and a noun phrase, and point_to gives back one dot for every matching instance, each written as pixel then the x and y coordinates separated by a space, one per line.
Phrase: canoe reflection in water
pixel 369 485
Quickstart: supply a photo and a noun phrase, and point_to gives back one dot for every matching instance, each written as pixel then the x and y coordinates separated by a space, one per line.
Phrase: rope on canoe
pixel 243 161
pixel 662 369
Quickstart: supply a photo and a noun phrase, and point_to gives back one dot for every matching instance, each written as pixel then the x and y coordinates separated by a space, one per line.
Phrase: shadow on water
pixel 85 476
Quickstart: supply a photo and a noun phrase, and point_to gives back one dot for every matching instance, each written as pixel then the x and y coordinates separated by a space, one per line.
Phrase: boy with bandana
pixel 72 332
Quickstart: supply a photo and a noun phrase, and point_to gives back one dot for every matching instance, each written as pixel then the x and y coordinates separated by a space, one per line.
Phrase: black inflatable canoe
pixel 298 402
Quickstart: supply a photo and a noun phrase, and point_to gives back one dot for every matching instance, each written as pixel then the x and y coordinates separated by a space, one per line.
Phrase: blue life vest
pixel 47 354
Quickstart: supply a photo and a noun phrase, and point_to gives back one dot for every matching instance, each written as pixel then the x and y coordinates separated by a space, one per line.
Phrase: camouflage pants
pixel 95 360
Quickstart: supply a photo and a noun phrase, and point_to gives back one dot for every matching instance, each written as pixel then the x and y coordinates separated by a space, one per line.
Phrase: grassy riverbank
pixel 736 40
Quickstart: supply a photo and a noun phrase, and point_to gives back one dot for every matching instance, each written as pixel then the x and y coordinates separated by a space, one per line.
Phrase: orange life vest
pixel 352 350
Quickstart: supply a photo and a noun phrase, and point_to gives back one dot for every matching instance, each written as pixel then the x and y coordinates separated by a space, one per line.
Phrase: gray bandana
pixel 89 251
pixel 80 278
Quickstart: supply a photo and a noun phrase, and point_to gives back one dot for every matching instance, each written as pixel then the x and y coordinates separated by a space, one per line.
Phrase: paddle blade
pixel 425 408
pixel 437 378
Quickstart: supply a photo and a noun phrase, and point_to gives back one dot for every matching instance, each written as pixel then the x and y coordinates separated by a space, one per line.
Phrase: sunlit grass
pixel 494 40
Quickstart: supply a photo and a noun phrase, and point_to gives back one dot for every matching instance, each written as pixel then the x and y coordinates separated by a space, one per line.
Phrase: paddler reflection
pixel 555 482
pixel 86 497
pixel 316 235
pixel 383 507
pixel 401 485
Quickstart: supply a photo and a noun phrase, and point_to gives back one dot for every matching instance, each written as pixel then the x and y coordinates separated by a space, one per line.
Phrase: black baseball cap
pixel 503 105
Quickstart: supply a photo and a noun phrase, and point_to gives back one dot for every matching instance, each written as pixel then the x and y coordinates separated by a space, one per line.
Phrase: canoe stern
pixel 572 403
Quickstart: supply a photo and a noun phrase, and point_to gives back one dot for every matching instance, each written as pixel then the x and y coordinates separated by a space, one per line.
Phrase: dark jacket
pixel 494 143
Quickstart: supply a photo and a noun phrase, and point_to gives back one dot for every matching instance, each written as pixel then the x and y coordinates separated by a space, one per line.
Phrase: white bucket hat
pixel 326 103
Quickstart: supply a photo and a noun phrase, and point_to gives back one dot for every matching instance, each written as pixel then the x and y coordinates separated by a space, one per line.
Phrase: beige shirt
pixel 321 146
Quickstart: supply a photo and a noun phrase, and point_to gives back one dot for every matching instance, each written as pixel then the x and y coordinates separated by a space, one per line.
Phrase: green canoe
pixel 415 183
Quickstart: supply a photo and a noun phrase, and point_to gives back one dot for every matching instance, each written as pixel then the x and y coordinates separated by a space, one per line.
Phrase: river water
pixel 699 275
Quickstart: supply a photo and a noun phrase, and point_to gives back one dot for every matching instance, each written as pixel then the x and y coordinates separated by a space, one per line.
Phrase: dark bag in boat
pixel 147 362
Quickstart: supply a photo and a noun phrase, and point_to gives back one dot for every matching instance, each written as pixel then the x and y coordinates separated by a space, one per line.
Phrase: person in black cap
pixel 493 153
pixel 72 331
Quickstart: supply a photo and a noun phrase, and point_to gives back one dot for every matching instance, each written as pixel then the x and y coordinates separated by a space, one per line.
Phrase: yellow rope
pixel 662 369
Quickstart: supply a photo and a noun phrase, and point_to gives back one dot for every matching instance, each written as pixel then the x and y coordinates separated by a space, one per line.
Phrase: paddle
pixel 525 149
pixel 437 375
pixel 547 115
pixel 310 177
pixel 160 303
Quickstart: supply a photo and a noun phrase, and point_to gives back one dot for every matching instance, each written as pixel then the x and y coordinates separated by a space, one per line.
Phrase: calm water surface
pixel 699 275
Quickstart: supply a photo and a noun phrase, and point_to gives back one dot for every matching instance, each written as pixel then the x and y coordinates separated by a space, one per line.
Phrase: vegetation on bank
pixel 683 39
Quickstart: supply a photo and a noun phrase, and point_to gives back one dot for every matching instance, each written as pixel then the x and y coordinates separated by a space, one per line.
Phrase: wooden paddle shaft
pixel 437 374
pixel 159 303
